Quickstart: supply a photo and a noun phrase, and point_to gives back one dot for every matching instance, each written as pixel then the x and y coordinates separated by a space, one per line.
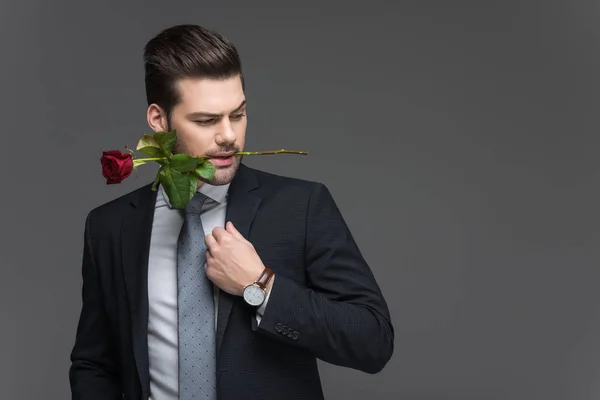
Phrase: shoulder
pixel 287 188
pixel 278 183
pixel 115 209
pixel 282 181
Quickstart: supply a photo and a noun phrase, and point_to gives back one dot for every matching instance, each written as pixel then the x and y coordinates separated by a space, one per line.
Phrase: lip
pixel 223 155
pixel 222 159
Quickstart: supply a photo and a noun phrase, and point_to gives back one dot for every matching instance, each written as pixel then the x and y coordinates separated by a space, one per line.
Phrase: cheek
pixel 240 131
pixel 192 138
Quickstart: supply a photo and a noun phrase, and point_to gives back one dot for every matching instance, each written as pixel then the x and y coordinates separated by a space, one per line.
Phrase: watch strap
pixel 264 278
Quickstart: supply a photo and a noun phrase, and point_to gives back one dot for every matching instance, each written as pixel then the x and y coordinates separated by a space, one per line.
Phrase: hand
pixel 231 261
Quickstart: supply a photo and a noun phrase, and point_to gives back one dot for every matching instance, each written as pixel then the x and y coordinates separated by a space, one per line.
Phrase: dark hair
pixel 186 51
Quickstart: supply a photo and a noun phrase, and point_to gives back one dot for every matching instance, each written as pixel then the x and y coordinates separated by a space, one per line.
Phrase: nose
pixel 226 134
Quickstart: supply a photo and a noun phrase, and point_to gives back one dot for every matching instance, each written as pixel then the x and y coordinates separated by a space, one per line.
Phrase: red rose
pixel 116 166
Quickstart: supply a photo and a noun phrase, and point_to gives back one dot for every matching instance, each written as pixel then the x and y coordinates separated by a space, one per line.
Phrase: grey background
pixel 459 138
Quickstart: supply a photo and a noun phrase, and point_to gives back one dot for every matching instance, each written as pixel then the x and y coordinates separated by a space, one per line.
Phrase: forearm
pixel 344 333
pixel 338 312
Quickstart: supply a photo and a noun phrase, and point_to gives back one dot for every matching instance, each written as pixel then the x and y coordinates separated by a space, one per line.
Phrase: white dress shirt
pixel 162 286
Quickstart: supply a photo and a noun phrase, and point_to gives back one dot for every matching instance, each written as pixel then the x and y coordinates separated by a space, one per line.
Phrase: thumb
pixel 231 229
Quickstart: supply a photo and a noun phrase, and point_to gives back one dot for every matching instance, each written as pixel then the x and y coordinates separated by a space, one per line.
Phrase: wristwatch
pixel 255 293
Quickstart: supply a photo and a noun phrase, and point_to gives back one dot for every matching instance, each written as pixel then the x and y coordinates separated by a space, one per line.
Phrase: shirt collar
pixel 217 193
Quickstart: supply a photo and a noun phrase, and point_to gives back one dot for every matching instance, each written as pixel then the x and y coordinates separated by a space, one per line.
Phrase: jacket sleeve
pixel 93 373
pixel 341 315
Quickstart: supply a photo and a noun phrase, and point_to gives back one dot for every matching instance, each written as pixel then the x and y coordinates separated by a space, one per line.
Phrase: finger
pixel 232 230
pixel 211 242
pixel 219 233
pixel 208 271
pixel 209 264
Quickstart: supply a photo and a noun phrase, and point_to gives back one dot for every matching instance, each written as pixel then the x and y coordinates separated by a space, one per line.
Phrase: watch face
pixel 254 295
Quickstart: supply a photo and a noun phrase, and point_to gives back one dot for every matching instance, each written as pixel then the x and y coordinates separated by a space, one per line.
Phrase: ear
pixel 157 118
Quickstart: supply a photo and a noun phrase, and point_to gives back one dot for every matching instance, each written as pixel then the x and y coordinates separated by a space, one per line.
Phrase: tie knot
pixel 195 204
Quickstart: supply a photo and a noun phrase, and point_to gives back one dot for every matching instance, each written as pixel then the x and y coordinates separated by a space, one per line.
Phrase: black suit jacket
pixel 325 302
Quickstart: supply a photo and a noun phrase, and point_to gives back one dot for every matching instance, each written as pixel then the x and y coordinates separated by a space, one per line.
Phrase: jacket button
pixel 278 327
pixel 295 335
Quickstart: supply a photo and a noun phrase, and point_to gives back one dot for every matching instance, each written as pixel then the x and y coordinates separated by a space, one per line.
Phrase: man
pixel 238 295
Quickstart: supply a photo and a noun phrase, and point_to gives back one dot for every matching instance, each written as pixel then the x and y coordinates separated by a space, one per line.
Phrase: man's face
pixel 210 120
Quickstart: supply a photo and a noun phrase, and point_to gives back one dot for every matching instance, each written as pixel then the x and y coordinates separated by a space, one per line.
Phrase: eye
pixel 206 122
pixel 237 117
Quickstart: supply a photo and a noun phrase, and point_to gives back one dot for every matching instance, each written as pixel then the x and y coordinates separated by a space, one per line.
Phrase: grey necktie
pixel 196 310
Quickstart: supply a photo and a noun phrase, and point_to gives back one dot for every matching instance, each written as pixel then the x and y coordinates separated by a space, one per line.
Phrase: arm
pixel 93 372
pixel 341 316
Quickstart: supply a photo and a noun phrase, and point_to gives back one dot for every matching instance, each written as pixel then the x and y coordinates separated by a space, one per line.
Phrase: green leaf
pixel 151 151
pixel 147 141
pixel 156 180
pixel 206 170
pixel 166 141
pixel 183 162
pixel 180 187
pixel 137 162
pixel 162 162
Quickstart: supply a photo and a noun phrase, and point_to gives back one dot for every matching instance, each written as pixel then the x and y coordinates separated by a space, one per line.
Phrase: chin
pixel 223 176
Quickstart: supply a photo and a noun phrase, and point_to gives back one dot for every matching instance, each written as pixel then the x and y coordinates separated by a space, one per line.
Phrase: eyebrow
pixel 208 114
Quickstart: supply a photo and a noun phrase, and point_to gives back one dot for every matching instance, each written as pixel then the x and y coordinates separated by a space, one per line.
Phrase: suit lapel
pixel 136 232
pixel 242 206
